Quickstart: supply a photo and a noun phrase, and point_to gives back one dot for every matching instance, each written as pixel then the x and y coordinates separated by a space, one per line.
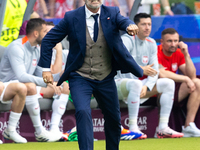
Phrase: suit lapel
pixel 105 19
pixel 80 28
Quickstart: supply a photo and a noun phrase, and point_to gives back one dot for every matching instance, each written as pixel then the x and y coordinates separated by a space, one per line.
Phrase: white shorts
pixel 2 94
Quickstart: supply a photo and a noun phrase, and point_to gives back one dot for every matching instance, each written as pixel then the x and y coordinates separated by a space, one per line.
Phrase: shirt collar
pixel 89 13
pixel 139 40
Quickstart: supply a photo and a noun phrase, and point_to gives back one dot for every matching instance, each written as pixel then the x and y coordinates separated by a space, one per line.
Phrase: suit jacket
pixel 74 25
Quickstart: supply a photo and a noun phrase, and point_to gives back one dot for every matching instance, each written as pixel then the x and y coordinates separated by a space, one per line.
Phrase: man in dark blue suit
pixel 96 52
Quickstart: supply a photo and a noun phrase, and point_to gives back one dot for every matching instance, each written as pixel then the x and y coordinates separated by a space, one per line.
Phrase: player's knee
pixel 197 83
pixel 65 88
pixel 31 88
pixel 134 85
pixel 165 85
pixel 21 89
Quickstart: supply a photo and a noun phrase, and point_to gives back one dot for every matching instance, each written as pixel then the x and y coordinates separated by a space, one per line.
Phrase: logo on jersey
pixel 145 59
pixel 34 62
pixel 174 66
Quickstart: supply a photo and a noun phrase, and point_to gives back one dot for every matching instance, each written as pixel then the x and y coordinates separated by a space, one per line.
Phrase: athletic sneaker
pixel 1 142
pixel 137 130
pixel 57 134
pixel 129 135
pixel 66 134
pixel 65 137
pixel 167 133
pixel 14 136
pixel 191 130
pixel 46 136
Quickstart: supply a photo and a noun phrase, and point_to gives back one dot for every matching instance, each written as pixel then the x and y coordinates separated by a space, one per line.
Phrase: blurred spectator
pixel 125 6
pixel 12 21
pixel 41 8
pixel 146 6
pixel 181 8
pixel 111 2
pixel 59 7
pixel 63 6
pixel 79 3
pixel 44 8
pixel 22 31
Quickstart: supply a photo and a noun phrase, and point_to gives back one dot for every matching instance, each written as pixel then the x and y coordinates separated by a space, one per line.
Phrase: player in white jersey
pixel 19 63
pixel 135 91
pixel 15 93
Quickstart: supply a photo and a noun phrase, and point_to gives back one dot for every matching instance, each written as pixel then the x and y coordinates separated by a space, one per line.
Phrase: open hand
pixel 148 70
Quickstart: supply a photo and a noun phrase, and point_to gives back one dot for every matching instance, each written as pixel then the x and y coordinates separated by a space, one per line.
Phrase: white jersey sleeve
pixel 15 55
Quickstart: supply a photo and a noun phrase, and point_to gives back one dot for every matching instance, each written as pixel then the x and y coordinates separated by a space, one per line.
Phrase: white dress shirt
pixel 90 20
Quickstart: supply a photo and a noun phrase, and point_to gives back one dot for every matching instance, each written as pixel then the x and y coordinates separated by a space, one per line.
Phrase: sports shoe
pixel 1 142
pixel 191 130
pixel 137 130
pixel 46 136
pixel 65 136
pixel 13 135
pixel 71 130
pixel 57 134
pixel 167 133
pixel 129 135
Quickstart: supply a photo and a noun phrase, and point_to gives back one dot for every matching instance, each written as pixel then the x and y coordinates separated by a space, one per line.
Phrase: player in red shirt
pixel 171 59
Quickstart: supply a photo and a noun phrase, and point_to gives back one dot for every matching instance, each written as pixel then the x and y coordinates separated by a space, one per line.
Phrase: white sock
pixel 134 87
pixel 13 120
pixel 38 88
pixel 58 107
pixel 166 87
pixel 33 109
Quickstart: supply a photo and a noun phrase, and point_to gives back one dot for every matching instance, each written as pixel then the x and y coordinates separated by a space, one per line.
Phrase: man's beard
pixel 93 7
pixel 172 49
pixel 39 40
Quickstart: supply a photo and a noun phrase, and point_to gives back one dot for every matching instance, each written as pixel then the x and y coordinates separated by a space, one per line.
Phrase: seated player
pixel 136 91
pixel 15 93
pixel 172 58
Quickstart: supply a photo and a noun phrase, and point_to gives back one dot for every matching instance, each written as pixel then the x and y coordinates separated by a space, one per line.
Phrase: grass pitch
pixel 148 144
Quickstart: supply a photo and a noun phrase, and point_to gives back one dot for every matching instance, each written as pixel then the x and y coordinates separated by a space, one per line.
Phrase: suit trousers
pixel 105 92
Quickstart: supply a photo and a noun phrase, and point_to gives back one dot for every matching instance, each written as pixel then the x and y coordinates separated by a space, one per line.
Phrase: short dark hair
pixel 168 31
pixel 50 23
pixel 139 16
pixel 34 24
